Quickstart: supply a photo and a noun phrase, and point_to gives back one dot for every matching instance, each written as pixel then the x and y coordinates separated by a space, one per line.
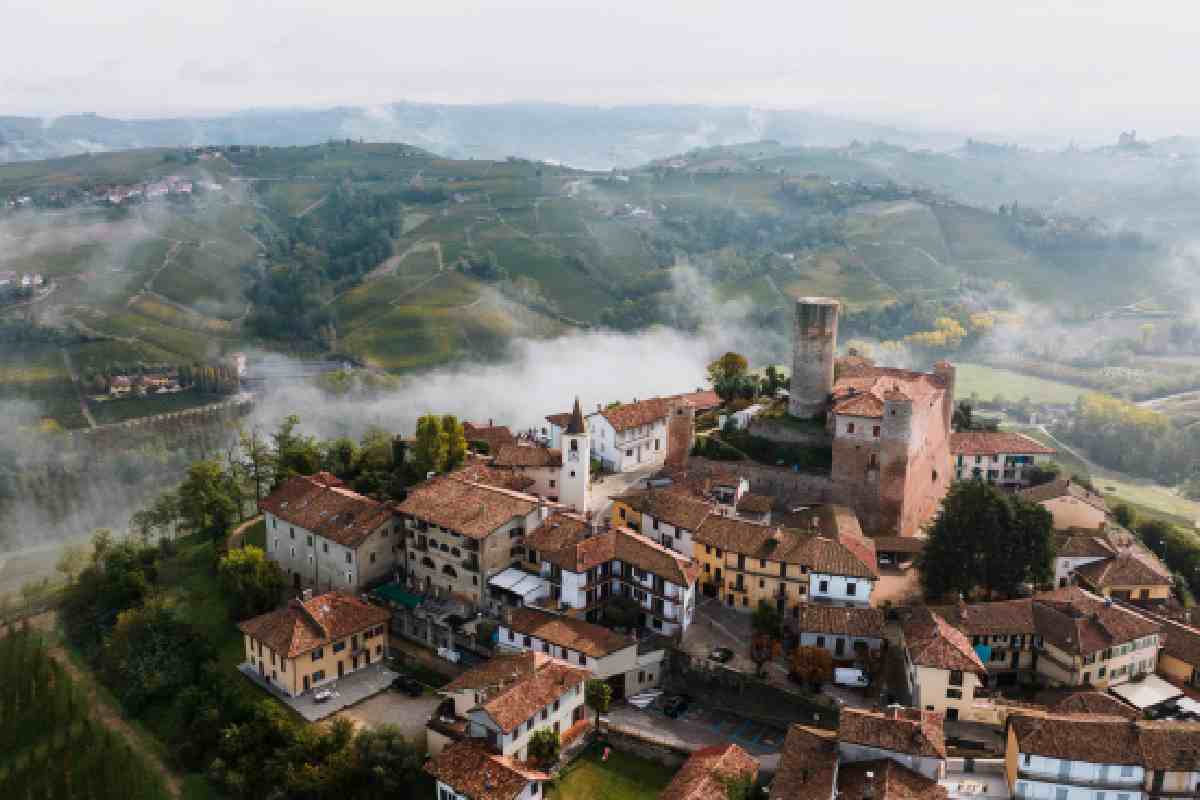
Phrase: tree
pixel 766 620
pixel 1038 474
pixel 728 375
pixel 206 503
pixel 71 561
pixel 739 786
pixel 544 746
pixel 963 419
pixel 294 454
pixel 456 441
pixel 762 649
pixel 1124 515
pixel 429 450
pixel 982 538
pixel 598 696
pixel 252 583
pixel 813 665
pixel 258 460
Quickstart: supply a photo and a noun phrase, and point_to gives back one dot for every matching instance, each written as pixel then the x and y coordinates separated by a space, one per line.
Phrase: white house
pixel 1074 757
pixel 844 632
pixel 999 457
pixel 630 436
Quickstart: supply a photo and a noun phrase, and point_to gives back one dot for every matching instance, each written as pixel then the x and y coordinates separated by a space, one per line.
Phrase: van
pixel 850 676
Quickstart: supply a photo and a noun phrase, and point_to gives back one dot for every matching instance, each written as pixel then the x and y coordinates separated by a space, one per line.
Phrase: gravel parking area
pixel 395 708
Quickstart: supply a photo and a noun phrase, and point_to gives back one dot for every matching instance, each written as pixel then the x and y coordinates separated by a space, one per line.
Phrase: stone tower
pixel 575 473
pixel 681 432
pixel 814 345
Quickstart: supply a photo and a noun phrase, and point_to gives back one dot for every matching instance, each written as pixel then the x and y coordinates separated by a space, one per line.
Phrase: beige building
pixel 315 640
pixel 1112 562
pixel 943 671
pixel 504 700
pixel 466 770
pixel 459 532
pixel 325 536
pixel 1071 504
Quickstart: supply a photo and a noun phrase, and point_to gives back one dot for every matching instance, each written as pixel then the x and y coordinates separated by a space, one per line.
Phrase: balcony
pixel 1114 783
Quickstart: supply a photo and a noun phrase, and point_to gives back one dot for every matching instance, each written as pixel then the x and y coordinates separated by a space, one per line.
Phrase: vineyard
pixel 54 745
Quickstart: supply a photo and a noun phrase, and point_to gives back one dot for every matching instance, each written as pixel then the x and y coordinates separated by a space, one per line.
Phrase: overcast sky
pixel 1012 66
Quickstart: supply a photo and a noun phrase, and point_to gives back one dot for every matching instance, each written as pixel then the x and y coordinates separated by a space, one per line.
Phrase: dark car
pixel 721 655
pixel 675 706
pixel 409 685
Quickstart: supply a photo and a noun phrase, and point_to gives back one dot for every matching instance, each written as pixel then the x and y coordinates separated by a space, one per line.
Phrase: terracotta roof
pixel 1078 737
pixel 1169 745
pixel 1078 622
pixel 1181 641
pixel 633 415
pixel 885 779
pixel 476 471
pixel 1074 545
pixel 557 532
pixel 472 771
pixel 561 420
pixel 518 455
pixel 633 548
pixel 901 730
pixel 300 626
pixel 820 618
pixel 1094 703
pixel 702 400
pixel 1130 568
pixel 849 555
pixel 519 700
pixel 933 642
pixel 987 443
pixel 569 632
pixel 986 619
pixel 672 507
pixel 472 509
pixel 331 512
pixel 808 765
pixel 703 775
pixel 500 669
pixel 494 435
pixel 898 544
pixel 860 405
pixel 1064 487
pixel 754 504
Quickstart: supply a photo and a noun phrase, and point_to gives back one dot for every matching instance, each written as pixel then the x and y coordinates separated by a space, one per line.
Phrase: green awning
pixel 394 593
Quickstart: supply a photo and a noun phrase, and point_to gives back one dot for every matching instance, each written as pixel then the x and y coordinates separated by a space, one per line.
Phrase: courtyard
pixel 621 777
pixel 347 690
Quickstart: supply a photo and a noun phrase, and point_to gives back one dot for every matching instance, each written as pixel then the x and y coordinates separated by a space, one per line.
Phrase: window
pixel 875 431
pixel 511 635
pixel 310 540
pixel 552 483
pixel 1126 772
pixel 292 532
pixel 319 675
pixel 629 452
pixel 293 552
pixel 556 702
pixel 349 577
pixel 954 694
pixel 583 659
pixel 372 558
pixel 824 587
pixel 526 642
pixel 535 788
pixel 325 546
pixel 820 641
pixel 339 647
pixel 851 589
pixel 849 427
pixel 956 677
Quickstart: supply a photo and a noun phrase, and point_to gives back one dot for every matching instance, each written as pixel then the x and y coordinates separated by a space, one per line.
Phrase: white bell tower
pixel 575 473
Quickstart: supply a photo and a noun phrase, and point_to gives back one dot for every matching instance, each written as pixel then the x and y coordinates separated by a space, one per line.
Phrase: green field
pixel 621 777
pixel 988 382
pixel 108 411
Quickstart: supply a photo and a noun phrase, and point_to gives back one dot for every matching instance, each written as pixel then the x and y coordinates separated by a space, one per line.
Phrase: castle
pixel 890 427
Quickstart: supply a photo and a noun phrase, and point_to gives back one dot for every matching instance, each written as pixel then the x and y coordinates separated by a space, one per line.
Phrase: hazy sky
pixel 979 64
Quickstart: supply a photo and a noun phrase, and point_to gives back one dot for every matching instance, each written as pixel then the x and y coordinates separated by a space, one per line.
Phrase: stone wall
pixel 642 746
pixel 782 432
pixel 793 488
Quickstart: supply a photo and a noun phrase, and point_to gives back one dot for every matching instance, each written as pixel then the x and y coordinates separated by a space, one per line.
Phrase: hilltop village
pixel 598 576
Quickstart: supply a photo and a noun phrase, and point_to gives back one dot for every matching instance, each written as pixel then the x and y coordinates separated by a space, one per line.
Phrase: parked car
pixel 409 685
pixel 323 696
pixel 721 655
pixel 676 705
pixel 851 676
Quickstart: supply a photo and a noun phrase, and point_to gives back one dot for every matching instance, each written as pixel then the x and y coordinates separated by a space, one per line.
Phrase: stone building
pixel 890 427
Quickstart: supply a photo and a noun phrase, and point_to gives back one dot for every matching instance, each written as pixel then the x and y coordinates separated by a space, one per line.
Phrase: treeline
pixel 122 616
pixel 209 378
pixel 326 251
pixel 54 746
pixel 1132 439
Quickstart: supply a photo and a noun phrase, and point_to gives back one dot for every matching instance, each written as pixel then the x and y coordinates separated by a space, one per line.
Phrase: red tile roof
pixel 885 779
pixel 495 435
pixel 1078 622
pixel 987 443
pixel 704 400
pixel 633 415
pixel 808 765
pixel 468 768
pixel 910 731
pixel 861 388
pixel 1063 488
pixel 933 642
pixel 1094 703
pixel 820 618
pixel 672 507
pixel 516 455
pixel 569 632
pixel 519 700
pixel 1131 568
pixel 331 512
pixel 703 776
pixel 300 627
pixel 472 509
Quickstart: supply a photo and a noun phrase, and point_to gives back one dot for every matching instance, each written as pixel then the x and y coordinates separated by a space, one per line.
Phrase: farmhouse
pixel 998 457
pixel 1072 504
pixel 631 435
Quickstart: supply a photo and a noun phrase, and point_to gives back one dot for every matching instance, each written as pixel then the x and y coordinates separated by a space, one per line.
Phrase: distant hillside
pixel 582 136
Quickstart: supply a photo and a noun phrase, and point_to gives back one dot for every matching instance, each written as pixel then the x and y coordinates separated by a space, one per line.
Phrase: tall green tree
pixel 456 441
pixel 429 450
pixel 253 583
pixel 985 539
pixel 294 454
pixel 728 375
pixel 206 502
pixel 598 695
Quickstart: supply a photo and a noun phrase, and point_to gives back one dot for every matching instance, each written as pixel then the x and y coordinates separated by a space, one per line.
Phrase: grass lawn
pixel 987 382
pixel 622 777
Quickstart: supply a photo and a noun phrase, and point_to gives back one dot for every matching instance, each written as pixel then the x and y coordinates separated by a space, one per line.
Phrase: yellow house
pixel 943 670
pixel 314 640
pixel 1135 574
pixel 745 563
pixel 1179 659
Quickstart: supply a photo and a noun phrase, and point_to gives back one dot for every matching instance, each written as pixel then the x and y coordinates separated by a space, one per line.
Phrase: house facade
pixel 325 536
pixel 668 517
pixel 943 671
pixel 998 457
pixel 315 640
pixel 459 532
pixel 847 633
pixel 632 435
pixel 1072 504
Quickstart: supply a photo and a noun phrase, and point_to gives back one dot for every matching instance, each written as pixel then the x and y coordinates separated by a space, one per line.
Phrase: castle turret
pixel 813 349
pixel 575 473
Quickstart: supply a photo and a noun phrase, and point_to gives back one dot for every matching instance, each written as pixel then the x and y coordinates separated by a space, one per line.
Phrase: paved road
pixel 601 492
